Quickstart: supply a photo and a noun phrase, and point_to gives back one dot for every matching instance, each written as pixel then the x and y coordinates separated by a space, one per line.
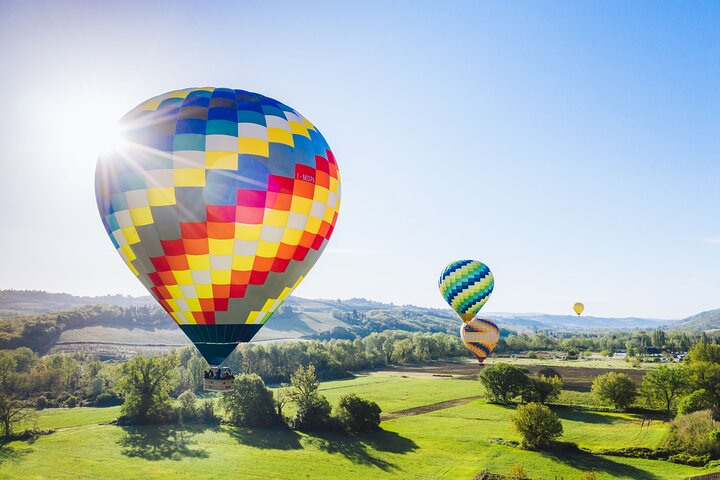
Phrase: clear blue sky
pixel 572 146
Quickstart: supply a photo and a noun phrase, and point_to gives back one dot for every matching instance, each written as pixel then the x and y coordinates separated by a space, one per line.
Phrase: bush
pixel 72 402
pixel 249 403
pixel 693 434
pixel 41 402
pixel 357 414
pixel 537 425
pixel 617 389
pixel 107 399
pixel 313 415
pixel 503 381
pixel 689 459
pixel 696 401
pixel 187 408
pixel 548 372
pixel 589 476
pixel 517 472
pixel 542 389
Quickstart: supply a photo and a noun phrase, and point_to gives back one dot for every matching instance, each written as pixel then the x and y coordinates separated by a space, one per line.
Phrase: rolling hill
pixel 45 321
pixel 704 321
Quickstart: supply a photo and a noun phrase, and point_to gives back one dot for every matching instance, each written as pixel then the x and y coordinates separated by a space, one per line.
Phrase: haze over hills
pixel 60 318
pixel 703 321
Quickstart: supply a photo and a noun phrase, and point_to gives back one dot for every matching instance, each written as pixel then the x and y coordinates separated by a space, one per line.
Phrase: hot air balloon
pixel 480 336
pixel 219 201
pixel 466 285
pixel 578 308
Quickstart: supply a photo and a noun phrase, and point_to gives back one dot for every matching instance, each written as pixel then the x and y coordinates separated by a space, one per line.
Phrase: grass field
pixel 449 443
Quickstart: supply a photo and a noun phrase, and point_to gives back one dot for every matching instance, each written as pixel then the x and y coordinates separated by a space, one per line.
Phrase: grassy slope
pixel 450 443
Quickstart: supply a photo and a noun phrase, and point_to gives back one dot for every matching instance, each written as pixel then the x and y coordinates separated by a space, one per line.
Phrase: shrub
pixel 187 408
pixel 542 389
pixel 107 399
pixel 548 372
pixel 517 472
pixel 696 401
pixel 617 389
pixel 313 415
pixel 503 381
pixel 41 402
pixel 249 403
pixel 589 476
pixel 537 425
pixel 72 402
pixel 693 434
pixel 357 414
pixel 689 459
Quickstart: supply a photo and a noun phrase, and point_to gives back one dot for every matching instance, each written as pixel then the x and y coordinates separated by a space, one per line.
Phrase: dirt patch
pixel 429 408
pixel 576 378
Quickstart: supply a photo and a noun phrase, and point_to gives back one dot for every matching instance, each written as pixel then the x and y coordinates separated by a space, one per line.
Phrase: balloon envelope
pixel 466 285
pixel 219 201
pixel 480 335
pixel 578 308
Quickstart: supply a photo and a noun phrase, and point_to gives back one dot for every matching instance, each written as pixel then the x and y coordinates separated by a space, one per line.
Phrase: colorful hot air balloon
pixel 480 336
pixel 466 285
pixel 220 202
pixel 578 308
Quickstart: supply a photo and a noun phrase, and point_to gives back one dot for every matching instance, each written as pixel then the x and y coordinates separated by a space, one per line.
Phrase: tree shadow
pixel 586 462
pixel 569 413
pixel 274 438
pixel 161 442
pixel 356 447
pixel 12 455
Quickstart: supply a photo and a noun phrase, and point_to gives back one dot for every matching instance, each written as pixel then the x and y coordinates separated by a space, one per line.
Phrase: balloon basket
pixel 220 380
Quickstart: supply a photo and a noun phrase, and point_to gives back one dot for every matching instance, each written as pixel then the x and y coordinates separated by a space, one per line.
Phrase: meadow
pixel 419 440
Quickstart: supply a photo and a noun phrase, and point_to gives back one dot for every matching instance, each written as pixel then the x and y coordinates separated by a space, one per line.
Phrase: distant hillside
pixel 704 321
pixel 41 320
pixel 14 303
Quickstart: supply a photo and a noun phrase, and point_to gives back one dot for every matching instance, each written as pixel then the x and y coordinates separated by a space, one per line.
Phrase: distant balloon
pixel 466 285
pixel 480 336
pixel 220 201
pixel 578 308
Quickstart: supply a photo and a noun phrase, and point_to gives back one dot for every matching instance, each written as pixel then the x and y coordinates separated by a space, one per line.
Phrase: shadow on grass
pixel 356 448
pixel 274 438
pixel 585 416
pixel 589 462
pixel 11 455
pixel 161 442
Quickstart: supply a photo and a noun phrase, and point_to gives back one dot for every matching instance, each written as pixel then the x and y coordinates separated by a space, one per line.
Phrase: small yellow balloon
pixel 578 307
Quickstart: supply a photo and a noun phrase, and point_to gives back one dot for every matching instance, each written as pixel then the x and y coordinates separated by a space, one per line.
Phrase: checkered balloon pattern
pixel 480 335
pixel 466 285
pixel 220 201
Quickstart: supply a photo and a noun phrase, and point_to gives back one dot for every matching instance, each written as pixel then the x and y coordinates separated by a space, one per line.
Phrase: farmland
pixel 453 440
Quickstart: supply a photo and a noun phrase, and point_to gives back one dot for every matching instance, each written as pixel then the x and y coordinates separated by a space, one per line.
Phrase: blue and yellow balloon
pixel 466 286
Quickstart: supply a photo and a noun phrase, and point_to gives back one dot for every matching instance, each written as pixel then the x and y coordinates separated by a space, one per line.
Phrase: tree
pixel 537 425
pixel 659 338
pixel 12 411
pixel 664 384
pixel 313 409
pixel 706 376
pixel 187 403
pixel 696 401
pixel 542 389
pixel 615 388
pixel 250 403
pixel 357 414
pixel 282 396
pixel 503 381
pixel 704 352
pixel 146 383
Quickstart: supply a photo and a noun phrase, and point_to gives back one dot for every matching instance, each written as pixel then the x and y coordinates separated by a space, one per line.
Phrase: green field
pixel 448 443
